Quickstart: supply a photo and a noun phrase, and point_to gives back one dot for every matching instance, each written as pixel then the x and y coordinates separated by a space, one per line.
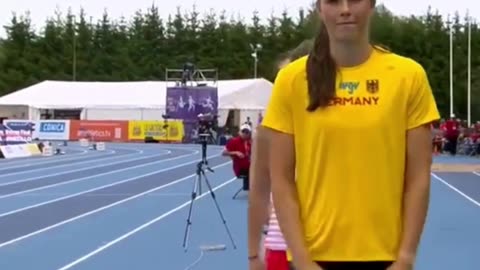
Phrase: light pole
pixel 74 49
pixel 469 71
pixel 255 49
pixel 450 26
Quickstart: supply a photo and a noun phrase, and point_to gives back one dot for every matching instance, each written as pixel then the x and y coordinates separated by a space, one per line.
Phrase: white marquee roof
pixel 233 94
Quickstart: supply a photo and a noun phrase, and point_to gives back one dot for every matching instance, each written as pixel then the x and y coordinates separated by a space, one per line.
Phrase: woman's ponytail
pixel 321 72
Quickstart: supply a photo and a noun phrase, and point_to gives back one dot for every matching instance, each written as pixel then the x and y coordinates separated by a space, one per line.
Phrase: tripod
pixel 201 166
pixel 165 128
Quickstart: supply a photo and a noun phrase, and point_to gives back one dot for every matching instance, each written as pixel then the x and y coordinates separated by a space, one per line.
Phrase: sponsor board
pixel 26 130
pixel 139 130
pixel 97 130
pixel 16 131
pixel 52 130
pixel 33 149
pixel 14 151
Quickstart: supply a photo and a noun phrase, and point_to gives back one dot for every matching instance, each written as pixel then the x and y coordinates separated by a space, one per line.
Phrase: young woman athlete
pixel 259 196
pixel 350 148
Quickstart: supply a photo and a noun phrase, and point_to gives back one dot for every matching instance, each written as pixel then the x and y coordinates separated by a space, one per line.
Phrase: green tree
pixel 19 55
pixel 73 47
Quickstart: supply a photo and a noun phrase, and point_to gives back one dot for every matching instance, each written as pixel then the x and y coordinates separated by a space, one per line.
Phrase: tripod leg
pixel 219 210
pixel 189 223
pixel 199 187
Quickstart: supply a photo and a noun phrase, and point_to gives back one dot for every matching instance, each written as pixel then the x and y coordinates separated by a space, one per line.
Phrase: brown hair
pixel 321 70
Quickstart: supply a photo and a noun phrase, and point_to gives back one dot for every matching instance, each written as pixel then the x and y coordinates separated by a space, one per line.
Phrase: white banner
pixel 40 129
pixel 52 130
pixel 15 151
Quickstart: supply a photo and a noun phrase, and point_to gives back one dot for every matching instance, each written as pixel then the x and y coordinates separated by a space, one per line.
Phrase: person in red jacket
pixel 239 149
pixel 452 132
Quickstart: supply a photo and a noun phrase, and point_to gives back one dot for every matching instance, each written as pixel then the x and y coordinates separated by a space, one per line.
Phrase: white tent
pixel 127 100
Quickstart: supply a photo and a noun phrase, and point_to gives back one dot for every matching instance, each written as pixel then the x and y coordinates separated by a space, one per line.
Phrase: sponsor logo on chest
pixel 372 87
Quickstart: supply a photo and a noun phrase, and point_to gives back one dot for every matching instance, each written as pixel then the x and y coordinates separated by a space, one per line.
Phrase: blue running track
pixel 126 208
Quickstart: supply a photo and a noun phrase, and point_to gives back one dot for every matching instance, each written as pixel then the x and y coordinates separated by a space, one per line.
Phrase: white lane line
pixel 164 194
pixel 86 168
pixel 105 207
pixel 95 154
pixel 52 161
pixel 92 159
pixel 456 190
pixel 141 227
pixel 95 175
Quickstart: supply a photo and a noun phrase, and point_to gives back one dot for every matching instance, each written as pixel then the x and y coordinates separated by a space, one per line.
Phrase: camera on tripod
pixel 206 124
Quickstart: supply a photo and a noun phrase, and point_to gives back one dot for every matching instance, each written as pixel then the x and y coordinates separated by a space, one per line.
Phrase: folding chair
pixel 245 185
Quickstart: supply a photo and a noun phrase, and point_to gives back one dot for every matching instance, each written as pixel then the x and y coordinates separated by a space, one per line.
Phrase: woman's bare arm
pixel 285 199
pixel 259 193
pixel 416 191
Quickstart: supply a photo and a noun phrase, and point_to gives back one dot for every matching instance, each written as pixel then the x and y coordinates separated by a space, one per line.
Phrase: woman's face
pixel 346 20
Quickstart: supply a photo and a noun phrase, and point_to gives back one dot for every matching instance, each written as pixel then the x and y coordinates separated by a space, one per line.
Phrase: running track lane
pixel 28 167
pixel 468 183
pixel 33 219
pixel 39 182
pixel 75 187
pixel 49 165
pixel 69 152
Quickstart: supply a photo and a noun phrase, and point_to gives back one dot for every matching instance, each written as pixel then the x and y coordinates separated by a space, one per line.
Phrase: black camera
pixel 206 123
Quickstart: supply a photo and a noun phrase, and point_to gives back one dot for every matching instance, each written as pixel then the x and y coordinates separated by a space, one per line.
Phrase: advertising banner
pixel 14 151
pixel 16 131
pixel 187 103
pixel 33 149
pixel 52 130
pixel 138 130
pixel 26 130
pixel 98 130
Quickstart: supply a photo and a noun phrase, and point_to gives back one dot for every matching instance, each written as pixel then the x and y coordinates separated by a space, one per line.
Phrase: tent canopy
pixel 233 94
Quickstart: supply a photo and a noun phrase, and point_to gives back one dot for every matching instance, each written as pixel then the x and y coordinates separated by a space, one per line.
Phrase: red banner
pixel 98 130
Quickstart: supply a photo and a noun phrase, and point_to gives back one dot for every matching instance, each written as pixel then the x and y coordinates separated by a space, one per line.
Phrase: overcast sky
pixel 41 9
